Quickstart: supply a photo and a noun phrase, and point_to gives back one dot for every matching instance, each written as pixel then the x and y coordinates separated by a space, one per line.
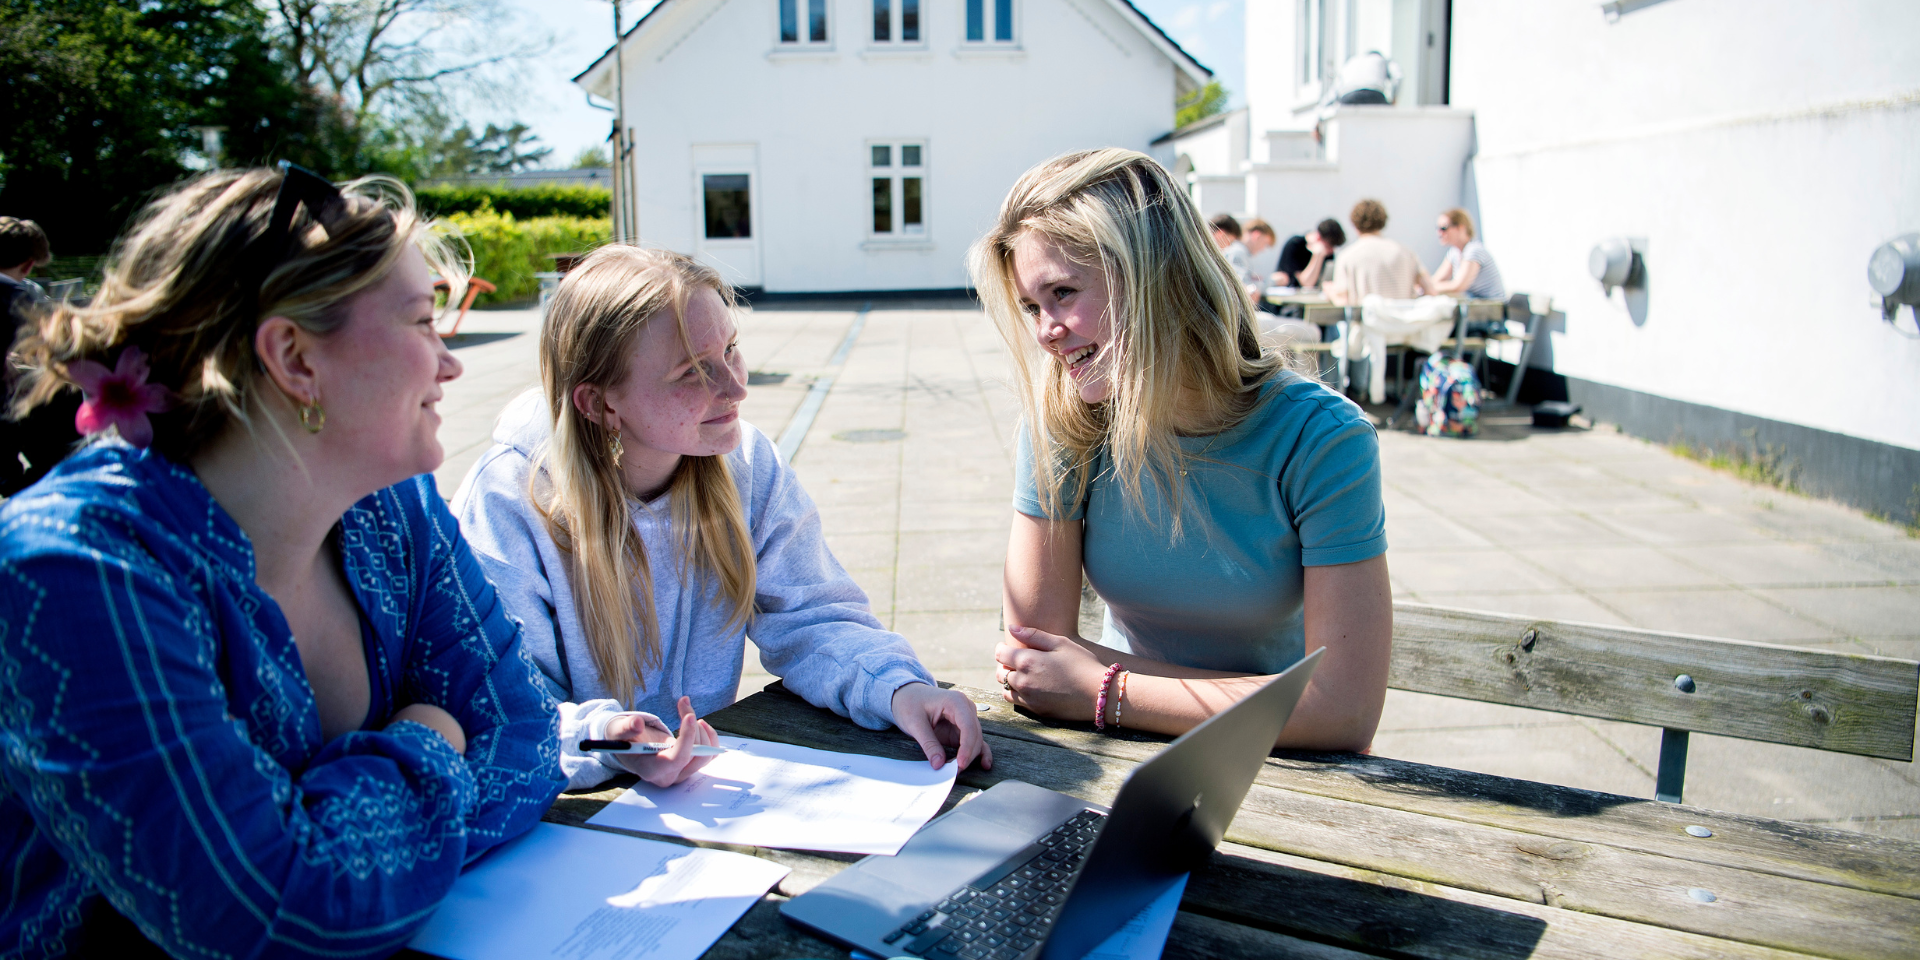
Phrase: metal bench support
pixel 1673 765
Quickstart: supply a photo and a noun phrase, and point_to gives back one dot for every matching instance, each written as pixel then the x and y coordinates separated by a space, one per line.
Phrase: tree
pixel 396 57
pixel 98 99
pixel 428 145
pixel 1201 104
pixel 589 157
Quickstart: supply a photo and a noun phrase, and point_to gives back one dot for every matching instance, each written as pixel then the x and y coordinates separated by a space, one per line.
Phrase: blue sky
pixel 557 110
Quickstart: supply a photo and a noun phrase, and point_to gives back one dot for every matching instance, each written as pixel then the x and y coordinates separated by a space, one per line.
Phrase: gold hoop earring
pixel 312 417
pixel 615 449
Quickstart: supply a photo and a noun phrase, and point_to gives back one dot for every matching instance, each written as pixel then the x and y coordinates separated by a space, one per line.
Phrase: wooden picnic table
pixel 1339 855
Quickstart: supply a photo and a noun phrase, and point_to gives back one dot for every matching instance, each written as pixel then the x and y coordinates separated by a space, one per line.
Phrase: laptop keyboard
pixel 1007 913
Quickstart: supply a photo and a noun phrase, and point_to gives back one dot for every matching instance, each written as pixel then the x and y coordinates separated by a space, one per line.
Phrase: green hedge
pixel 523 202
pixel 508 251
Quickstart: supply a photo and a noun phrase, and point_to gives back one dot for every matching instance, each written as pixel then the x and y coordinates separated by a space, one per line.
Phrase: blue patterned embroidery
pixel 160 747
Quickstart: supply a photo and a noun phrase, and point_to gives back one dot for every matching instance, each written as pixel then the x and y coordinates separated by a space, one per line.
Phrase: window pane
pixel 817 20
pixel 789 21
pixel 882 29
pixel 882 205
pixel 910 203
pixel 883 156
pixel 1003 19
pixel 910 155
pixel 727 213
pixel 974 10
pixel 909 20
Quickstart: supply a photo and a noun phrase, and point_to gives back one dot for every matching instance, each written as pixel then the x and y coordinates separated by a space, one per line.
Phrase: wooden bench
pixel 1844 702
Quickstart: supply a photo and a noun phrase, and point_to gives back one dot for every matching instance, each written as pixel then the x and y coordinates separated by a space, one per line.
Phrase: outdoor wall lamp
pixel 1615 263
pixel 1894 274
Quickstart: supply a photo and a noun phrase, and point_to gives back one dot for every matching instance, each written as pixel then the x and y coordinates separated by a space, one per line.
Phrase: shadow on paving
pixel 877 303
pixel 462 340
pixel 1501 424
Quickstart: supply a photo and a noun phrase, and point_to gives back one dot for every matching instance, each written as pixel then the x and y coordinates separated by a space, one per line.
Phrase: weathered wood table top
pixel 1345 856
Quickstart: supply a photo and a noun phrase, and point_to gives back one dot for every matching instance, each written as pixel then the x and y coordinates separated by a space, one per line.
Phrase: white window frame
pixel 989 25
pixel 1314 39
pixel 897 173
pixel 804 30
pixel 894 26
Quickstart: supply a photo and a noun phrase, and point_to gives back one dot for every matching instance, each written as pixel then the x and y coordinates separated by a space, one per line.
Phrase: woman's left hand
pixel 1050 675
pixel 942 721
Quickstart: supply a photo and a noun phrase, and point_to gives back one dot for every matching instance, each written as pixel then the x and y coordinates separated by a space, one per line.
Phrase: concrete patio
pixel 909 461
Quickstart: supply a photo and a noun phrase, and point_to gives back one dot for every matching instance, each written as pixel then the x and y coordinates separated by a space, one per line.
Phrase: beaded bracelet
pixel 1120 697
pixel 1100 702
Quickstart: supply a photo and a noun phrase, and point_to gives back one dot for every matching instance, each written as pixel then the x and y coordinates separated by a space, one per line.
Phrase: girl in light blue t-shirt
pixel 1226 509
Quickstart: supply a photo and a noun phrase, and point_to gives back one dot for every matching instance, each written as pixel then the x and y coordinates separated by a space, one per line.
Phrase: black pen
pixel 699 750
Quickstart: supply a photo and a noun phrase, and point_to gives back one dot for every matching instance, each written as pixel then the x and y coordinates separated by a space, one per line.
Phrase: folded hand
pixel 1048 674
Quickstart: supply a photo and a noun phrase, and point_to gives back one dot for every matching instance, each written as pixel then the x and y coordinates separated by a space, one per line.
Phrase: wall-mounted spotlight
pixel 1894 274
pixel 1615 263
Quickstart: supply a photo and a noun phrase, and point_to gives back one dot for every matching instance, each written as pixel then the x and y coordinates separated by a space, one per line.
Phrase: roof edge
pixel 1199 72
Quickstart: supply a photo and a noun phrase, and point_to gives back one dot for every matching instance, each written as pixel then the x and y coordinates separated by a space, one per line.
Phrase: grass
pixel 1912 524
pixel 1764 464
pixel 1769 465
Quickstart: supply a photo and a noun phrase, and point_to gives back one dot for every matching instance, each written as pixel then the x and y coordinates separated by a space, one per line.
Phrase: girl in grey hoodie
pixel 642 532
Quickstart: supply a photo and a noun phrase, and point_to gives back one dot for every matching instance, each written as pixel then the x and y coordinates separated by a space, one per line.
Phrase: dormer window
pixel 989 21
pixel 794 31
pixel 896 21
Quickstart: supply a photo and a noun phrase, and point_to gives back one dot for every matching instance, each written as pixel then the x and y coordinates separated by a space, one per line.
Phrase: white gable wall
pixel 710 73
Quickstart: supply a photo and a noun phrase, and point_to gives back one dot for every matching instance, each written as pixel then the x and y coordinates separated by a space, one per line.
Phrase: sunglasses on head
pixel 298 187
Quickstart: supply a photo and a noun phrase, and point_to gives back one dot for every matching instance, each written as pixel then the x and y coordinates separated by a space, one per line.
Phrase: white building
pixel 862 145
pixel 1754 152
pixel 1757 151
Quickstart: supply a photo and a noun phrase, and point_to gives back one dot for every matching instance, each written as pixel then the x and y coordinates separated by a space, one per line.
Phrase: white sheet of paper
pixel 580 894
pixel 765 794
pixel 1145 936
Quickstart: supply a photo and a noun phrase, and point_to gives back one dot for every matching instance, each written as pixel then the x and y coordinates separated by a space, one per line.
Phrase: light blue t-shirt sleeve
pixel 1333 489
pixel 1026 485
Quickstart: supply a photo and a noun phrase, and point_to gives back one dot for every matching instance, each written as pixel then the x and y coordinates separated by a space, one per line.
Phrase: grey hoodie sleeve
pixel 506 533
pixel 813 624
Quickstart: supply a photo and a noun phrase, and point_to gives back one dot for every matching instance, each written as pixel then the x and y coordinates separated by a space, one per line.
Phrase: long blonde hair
pixel 180 286
pixel 591 327
pixel 1178 315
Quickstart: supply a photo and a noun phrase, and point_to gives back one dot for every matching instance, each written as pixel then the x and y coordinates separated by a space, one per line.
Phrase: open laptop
pixel 1024 872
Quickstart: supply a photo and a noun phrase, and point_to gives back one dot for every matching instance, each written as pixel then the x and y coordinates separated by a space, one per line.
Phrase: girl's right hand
pixel 677 762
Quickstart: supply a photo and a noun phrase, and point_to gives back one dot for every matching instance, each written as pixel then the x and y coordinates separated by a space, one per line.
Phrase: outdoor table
pixel 1341 855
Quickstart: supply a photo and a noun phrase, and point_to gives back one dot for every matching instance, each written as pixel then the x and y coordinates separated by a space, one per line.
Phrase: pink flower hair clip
pixel 120 397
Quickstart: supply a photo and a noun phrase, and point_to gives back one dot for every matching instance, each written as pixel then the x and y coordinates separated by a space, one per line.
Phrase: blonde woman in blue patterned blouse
pixel 258 698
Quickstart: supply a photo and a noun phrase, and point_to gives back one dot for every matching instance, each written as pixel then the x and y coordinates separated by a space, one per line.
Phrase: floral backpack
pixel 1449 398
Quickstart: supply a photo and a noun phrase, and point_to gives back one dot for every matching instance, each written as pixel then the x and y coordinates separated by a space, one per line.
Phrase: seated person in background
pixel 1226 509
pixel 1304 260
pixel 1263 254
pixel 261 700
pixel 1469 270
pixel 641 531
pixel 23 249
pixel 40 438
pixel 1226 236
pixel 1373 264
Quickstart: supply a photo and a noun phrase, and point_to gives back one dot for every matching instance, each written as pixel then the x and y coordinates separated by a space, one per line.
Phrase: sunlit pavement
pixel 909 459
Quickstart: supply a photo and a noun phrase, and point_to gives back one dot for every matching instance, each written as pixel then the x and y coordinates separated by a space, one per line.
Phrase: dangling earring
pixel 615 449
pixel 312 417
